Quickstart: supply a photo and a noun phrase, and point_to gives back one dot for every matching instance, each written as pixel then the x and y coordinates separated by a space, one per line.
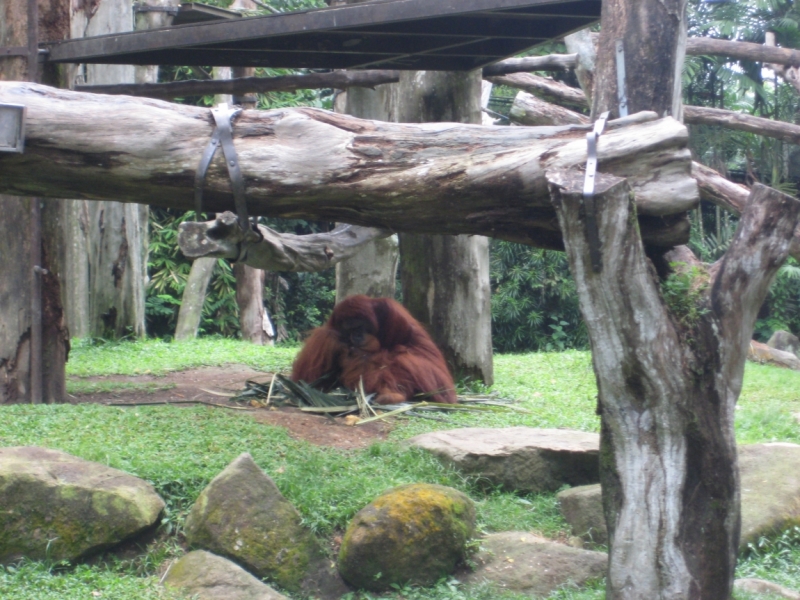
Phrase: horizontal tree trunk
pixel 543 87
pixel 527 109
pixel 701 115
pixel 701 46
pixel 310 163
pixel 551 62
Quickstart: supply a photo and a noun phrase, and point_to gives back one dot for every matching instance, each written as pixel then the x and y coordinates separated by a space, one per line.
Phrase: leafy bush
pixel 168 271
pixel 534 302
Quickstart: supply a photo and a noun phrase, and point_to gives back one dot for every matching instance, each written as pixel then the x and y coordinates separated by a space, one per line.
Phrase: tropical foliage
pixel 534 303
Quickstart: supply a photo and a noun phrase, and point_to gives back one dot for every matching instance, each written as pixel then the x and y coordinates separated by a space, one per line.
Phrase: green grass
pixel 154 357
pixel 80 386
pixel 35 581
pixel 180 450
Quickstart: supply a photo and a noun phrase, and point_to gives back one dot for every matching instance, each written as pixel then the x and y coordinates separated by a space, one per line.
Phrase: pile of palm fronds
pixel 341 402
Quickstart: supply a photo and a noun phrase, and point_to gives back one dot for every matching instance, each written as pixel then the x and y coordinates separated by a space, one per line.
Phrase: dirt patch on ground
pixel 214 385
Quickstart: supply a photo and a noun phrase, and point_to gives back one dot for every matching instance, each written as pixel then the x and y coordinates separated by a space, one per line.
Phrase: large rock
pixel 524 459
pixel 763 354
pixel 206 576
pixel 524 563
pixel 57 506
pixel 243 516
pixel 783 340
pixel 414 533
pixel 770 475
pixel 770 481
pixel 582 508
pixel 759 587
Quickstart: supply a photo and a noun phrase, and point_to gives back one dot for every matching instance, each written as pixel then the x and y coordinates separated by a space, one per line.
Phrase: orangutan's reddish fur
pixel 378 340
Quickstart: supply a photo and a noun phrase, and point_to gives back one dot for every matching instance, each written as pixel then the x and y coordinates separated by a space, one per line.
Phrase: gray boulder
pixel 770 482
pixel 206 576
pixel 582 508
pixel 770 475
pixel 57 506
pixel 524 459
pixel 243 516
pixel 759 587
pixel 527 564
pixel 783 340
pixel 413 533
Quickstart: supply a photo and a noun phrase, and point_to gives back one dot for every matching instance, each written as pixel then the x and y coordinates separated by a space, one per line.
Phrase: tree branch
pixel 310 163
pixel 544 88
pixel 222 238
pixel 788 132
pixel 731 196
pixel 741 278
pixel 550 62
pixel 699 46
pixel 527 109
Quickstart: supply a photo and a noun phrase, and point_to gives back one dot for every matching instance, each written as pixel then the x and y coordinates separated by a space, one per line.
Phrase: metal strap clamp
pixel 588 193
pixel 590 208
pixel 223 136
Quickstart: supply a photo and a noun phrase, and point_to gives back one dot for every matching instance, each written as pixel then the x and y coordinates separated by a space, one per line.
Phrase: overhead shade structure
pixel 442 35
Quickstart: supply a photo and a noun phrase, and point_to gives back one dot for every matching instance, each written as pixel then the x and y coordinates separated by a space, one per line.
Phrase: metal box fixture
pixel 446 35
pixel 12 128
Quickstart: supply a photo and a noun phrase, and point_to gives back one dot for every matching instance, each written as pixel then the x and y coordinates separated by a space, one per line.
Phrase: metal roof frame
pixel 451 35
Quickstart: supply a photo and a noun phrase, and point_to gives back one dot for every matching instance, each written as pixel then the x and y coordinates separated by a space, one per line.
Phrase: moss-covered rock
pixel 57 506
pixel 414 533
pixel 206 576
pixel 242 515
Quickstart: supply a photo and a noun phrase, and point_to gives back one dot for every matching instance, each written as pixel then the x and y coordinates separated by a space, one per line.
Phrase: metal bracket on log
pixel 588 193
pixel 223 136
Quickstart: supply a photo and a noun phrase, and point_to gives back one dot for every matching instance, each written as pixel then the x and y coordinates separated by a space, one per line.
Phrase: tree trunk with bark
pixel 445 279
pixel 373 271
pixel 34 341
pixel 106 262
pixel 254 322
pixel 669 370
pixel 653 35
pixel 582 44
pixel 669 362
pixel 193 298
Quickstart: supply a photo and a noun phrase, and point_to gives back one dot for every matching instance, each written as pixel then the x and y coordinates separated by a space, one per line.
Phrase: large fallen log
pixel 310 163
